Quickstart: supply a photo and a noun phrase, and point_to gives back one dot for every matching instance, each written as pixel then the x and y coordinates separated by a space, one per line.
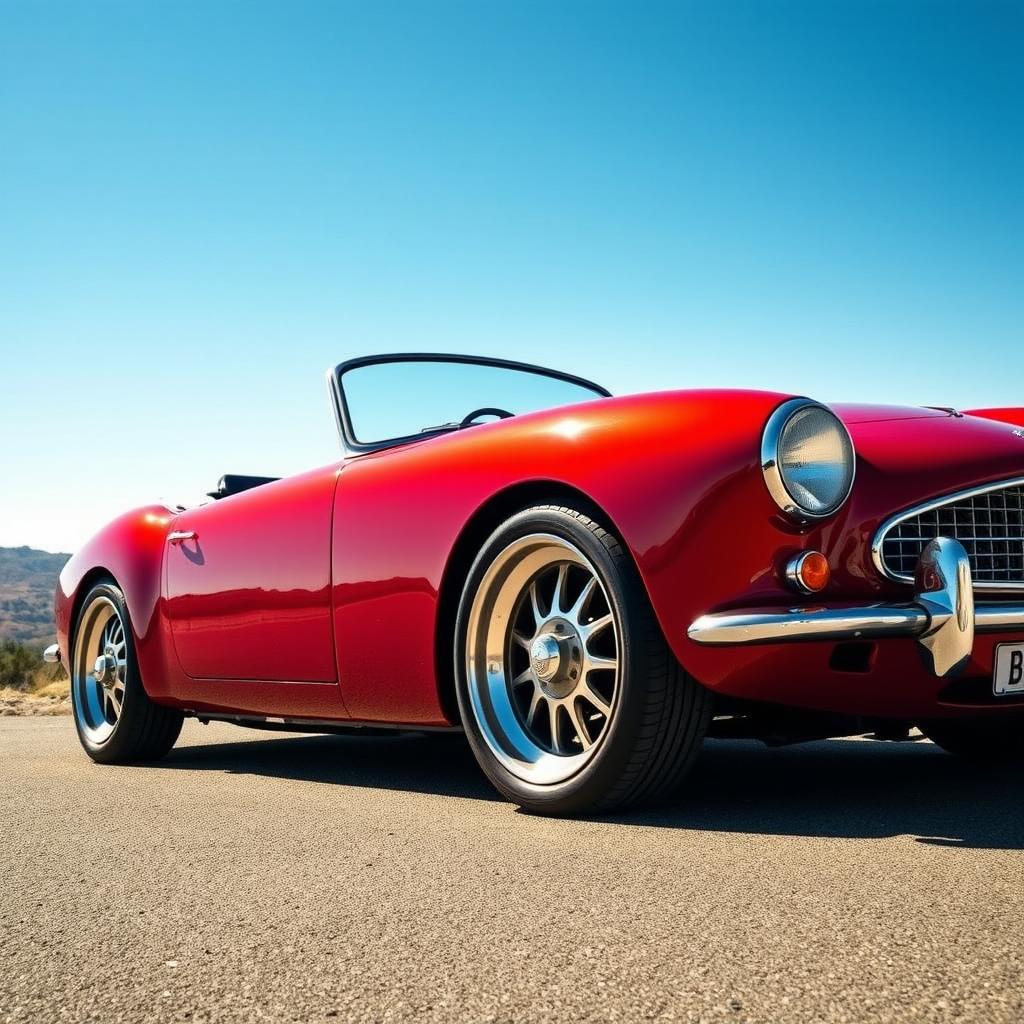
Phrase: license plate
pixel 1008 677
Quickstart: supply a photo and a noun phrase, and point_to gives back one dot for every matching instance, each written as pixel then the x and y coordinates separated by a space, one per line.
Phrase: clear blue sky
pixel 204 205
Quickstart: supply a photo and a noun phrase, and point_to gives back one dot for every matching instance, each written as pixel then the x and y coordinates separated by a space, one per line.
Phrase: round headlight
pixel 807 458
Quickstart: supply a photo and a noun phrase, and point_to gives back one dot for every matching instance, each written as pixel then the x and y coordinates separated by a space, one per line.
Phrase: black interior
pixel 234 483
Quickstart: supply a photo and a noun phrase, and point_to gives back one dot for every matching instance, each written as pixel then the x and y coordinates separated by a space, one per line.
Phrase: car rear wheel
pixel 571 699
pixel 979 740
pixel 117 723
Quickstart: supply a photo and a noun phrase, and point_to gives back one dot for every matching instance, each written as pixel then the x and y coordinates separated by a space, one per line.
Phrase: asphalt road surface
pixel 257 877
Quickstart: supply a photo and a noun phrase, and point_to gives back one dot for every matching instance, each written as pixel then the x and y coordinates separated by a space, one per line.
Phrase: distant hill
pixel 28 579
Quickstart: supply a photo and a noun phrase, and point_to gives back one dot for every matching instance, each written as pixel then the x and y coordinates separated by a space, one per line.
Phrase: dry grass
pixel 60 688
pixel 46 696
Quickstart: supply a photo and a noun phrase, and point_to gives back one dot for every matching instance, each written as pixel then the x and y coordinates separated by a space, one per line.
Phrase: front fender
pixel 673 473
pixel 1015 417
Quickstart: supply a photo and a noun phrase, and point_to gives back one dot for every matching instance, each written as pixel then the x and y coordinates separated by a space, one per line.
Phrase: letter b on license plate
pixel 1008 677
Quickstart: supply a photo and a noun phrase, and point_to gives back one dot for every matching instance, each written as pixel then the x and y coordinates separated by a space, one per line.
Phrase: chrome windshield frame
pixel 343 418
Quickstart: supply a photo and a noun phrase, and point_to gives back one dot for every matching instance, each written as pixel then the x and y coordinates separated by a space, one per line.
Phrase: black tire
pixel 981 740
pixel 661 716
pixel 143 730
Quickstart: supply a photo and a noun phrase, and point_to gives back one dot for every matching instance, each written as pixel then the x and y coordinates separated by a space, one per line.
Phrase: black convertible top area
pixel 235 483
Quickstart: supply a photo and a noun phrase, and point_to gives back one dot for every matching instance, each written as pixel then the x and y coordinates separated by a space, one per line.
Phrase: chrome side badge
pixel 1018 432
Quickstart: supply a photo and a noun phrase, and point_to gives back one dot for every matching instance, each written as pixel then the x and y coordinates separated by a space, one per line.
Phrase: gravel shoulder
pixel 263 877
pixel 20 702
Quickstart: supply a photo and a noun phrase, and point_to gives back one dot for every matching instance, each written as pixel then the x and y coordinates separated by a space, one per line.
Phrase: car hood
pixel 906 454
pixel 860 413
pixel 914 454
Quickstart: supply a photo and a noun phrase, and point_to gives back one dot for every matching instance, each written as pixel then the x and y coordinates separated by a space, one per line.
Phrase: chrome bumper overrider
pixel 942 616
pixel 51 654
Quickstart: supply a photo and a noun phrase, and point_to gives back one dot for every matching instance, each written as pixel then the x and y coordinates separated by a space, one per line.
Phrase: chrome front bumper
pixel 52 654
pixel 942 617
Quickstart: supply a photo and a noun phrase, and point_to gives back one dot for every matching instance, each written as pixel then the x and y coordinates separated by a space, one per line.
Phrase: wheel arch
pixel 481 524
pixel 97 574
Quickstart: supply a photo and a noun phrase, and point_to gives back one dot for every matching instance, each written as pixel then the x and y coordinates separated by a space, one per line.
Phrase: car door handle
pixel 177 536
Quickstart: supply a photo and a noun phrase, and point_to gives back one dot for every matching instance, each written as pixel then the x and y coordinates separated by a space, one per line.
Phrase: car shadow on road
pixel 852 789
pixel 835 789
pixel 438 764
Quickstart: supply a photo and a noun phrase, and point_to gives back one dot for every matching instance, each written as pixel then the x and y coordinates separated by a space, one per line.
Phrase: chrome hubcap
pixel 105 669
pixel 546 657
pixel 542 659
pixel 99 667
pixel 560 665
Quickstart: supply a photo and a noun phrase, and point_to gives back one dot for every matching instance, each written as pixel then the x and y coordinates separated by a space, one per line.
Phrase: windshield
pixel 403 397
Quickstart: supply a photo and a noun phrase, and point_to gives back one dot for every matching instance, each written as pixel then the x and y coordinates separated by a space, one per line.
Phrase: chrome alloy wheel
pixel 542 659
pixel 99 669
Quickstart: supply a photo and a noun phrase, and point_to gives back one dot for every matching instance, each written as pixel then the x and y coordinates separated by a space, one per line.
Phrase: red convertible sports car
pixel 586 585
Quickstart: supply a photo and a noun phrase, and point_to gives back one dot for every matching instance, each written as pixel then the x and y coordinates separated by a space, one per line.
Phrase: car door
pixel 248 583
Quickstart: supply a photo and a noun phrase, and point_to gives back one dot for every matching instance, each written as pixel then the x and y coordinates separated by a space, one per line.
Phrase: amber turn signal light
pixel 809 572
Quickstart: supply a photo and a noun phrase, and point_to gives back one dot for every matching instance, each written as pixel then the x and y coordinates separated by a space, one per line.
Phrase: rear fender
pixel 130 551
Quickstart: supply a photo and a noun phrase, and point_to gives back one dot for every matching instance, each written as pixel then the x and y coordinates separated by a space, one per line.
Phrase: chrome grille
pixel 989 522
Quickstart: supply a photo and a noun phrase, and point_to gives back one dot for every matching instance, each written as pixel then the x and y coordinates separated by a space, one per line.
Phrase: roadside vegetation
pixel 28 684
pixel 28 578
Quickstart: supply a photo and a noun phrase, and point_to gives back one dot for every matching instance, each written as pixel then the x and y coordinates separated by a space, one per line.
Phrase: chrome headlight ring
pixel 809 475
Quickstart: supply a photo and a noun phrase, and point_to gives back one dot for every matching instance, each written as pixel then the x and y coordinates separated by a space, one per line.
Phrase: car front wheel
pixel 572 701
pixel 117 723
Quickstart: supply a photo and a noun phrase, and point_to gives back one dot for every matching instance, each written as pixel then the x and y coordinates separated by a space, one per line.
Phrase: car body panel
pixel 249 596
pixel 729 536
pixel 130 551
pixel 853 413
pixel 399 514
pixel 675 474
pixel 1014 416
pixel 258 698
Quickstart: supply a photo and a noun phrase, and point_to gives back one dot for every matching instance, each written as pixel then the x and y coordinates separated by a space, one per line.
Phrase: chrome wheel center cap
pixel 105 670
pixel 545 657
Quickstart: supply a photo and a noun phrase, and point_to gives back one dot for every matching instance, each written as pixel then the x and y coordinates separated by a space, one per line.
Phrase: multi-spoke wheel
pixel 99 668
pixel 563 653
pixel 542 658
pixel 569 695
pixel 115 718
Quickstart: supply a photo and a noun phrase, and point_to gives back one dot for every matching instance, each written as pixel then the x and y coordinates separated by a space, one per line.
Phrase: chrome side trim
pixel 52 654
pixel 871 622
pixel 942 617
pixel 930 506
pixel 770 627
pixel 998 618
pixel 770 461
